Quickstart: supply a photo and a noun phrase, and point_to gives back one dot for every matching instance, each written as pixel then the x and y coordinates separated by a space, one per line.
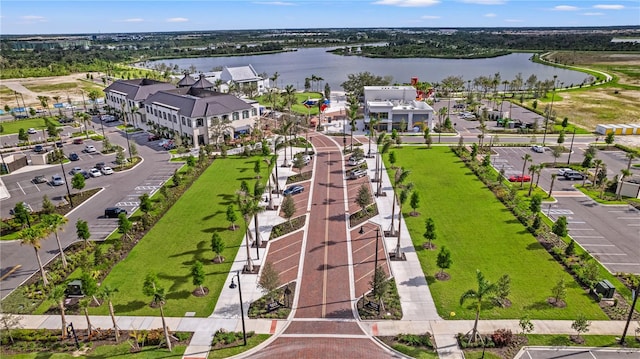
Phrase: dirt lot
pixel 67 87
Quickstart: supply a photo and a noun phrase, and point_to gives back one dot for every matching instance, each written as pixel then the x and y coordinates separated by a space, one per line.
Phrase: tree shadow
pixel 215 229
pixel 182 294
pixel 534 246
pixel 129 306
pixel 177 281
pixel 211 216
pixel 415 281
pixel 541 305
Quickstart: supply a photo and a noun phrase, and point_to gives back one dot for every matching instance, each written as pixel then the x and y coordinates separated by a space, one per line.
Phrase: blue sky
pixel 98 16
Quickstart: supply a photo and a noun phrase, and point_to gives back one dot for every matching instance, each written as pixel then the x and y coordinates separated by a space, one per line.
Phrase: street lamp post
pixel 546 122
pixel 571 147
pixel 635 299
pixel 232 286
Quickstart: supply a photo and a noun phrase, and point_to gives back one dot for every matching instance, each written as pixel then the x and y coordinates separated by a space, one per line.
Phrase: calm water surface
pixel 294 67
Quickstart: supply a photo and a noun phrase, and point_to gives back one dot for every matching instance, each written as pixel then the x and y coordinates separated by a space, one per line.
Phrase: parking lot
pixel 609 233
pixel 576 353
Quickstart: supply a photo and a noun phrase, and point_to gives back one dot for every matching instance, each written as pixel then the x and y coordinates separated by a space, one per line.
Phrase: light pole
pixel 635 299
pixel 571 147
pixel 65 180
pixel 232 286
pixel 546 122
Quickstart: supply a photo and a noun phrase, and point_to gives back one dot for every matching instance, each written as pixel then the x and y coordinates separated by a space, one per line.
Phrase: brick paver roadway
pixel 324 325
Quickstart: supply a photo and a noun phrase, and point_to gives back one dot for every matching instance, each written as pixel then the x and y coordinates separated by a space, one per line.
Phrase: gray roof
pixel 241 73
pixel 187 80
pixel 194 102
pixel 202 83
pixel 138 89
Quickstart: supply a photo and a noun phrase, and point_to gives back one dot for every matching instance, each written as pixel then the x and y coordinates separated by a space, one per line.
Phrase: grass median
pixel 482 235
pixel 181 237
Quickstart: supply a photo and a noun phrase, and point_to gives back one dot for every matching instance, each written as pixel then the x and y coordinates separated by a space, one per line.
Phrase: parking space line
pixel 586 236
pixel 634 218
pixel 578 222
pixel 581 229
pixel 19 186
pixel 621 264
pixel 607 254
pixel 597 245
pixel 633 224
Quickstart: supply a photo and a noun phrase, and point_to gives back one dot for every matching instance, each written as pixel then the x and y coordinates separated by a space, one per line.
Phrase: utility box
pixel 74 289
pixel 605 288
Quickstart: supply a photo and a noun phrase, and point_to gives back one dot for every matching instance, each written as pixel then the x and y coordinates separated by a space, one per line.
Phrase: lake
pixel 294 67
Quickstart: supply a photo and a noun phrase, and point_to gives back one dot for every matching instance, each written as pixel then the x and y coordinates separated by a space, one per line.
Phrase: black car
pixel 100 165
pixel 38 148
pixel 114 212
pixel 59 144
pixel 295 189
pixel 74 157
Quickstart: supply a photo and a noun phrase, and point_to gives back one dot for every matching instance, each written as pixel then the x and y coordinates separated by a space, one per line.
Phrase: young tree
pixel 414 202
pixel 217 246
pixel 561 138
pixel 82 231
pixel 556 152
pixel 107 294
pixel 84 304
pixel 197 276
pixel 444 259
pixel 379 285
pixel 484 292
pixel 54 223
pixel 120 159
pixel 560 227
pixel 269 280
pixel 289 209
pixel 47 206
pixel 232 216
pixel 57 295
pixel 363 199
pixel 430 232
pixel 152 289
pixel 609 139
pixel 571 249
pixel 565 122
pixel 177 179
pixel 124 225
pixel 32 236
pixel 145 203
pixel 298 163
pixel 559 292
pixel 526 325
pixel 21 214
pixel 257 168
pixel 392 159
pixel 581 325
pixel 534 205
pixel 503 289
pixel 9 322
pixel 77 182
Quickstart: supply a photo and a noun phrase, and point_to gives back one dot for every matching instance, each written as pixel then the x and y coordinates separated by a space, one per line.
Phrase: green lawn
pixel 110 351
pixel 589 340
pixel 252 342
pixel 15 126
pixel 481 234
pixel 298 107
pixel 182 236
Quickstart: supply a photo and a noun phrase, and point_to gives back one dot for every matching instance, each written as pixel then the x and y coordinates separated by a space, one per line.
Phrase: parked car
pixel 94 172
pixel 25 205
pixel 57 180
pixel 100 165
pixel 32 131
pixel 573 175
pixel 74 156
pixel 75 170
pixel 519 178
pixel 38 149
pixel 291 190
pixel 85 174
pixel 39 179
pixel 355 161
pixel 153 137
pixel 90 149
pixel 305 158
pixel 537 148
pixel 357 174
pixel 106 170
pixel 59 144
pixel 114 212
pixel 78 141
pixel 562 171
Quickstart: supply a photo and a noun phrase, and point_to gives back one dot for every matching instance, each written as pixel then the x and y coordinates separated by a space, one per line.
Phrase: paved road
pixel 121 189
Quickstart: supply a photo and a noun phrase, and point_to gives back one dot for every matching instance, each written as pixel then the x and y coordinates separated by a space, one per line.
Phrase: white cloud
pixel 485 2
pixel 592 14
pixel 33 18
pixel 430 17
pixel 408 3
pixel 565 8
pixel 490 15
pixel 276 3
pixel 177 19
pixel 609 7
pixel 135 19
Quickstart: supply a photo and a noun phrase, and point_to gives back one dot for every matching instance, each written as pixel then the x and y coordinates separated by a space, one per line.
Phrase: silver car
pixel 57 180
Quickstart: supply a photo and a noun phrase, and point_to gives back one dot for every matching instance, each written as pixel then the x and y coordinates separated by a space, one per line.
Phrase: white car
pixel 94 172
pixel 107 170
pixel 537 148
pixel 562 171
pixel 32 131
pixel 353 161
pixel 90 149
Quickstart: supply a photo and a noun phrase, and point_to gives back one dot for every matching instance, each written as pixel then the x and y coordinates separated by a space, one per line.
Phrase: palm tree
pixel 57 100
pixel 624 174
pixel 352 113
pixel 57 294
pixel 553 180
pixel 484 291
pixel 597 162
pixel 373 122
pixel 526 158
pixel 538 172
pixel 32 236
pixel 245 209
pixel 84 305
pixel 631 156
pixel 56 222
pixel 159 299
pixel 532 170
pixel 274 78
pixel 107 293
pixel 401 200
pixel 44 101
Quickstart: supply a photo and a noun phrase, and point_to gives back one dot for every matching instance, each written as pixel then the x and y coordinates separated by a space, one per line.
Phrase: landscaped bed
pixel 482 235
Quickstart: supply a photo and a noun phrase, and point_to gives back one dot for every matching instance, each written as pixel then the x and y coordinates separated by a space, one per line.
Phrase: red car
pixel 520 178
pixel 77 141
